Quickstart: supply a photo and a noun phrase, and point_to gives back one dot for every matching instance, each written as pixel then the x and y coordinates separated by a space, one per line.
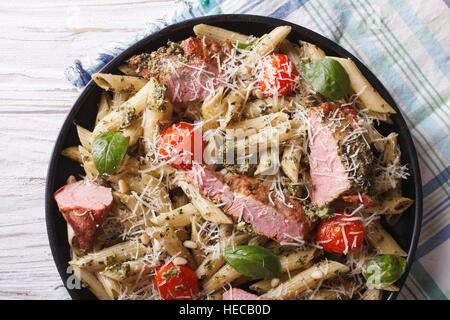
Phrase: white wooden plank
pixel 38 39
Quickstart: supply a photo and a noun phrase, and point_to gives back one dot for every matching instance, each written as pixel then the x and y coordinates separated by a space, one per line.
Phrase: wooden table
pixel 38 39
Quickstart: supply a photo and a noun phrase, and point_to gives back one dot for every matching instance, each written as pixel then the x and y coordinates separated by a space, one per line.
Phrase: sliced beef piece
pixel 191 83
pixel 239 294
pixel 357 200
pixel 248 200
pixel 340 159
pixel 189 69
pixel 84 205
pixel 204 50
pixel 279 219
pixel 211 184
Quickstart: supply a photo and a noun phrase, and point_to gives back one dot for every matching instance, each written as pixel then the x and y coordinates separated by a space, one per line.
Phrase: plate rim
pixel 415 175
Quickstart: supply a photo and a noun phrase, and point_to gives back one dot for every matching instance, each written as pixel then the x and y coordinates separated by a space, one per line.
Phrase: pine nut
pixel 275 282
pixel 123 186
pixel 179 261
pixel 145 239
pixel 316 275
pixel 190 244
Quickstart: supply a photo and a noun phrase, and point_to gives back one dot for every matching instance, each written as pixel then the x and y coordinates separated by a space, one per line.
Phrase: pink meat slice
pixel 239 294
pixel 328 174
pixel 192 82
pixel 246 199
pixel 85 206
pixel 189 77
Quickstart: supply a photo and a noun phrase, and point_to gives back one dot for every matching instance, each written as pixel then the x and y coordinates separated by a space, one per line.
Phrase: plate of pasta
pixel 234 157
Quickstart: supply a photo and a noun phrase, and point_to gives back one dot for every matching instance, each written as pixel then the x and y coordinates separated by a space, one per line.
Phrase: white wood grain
pixel 38 39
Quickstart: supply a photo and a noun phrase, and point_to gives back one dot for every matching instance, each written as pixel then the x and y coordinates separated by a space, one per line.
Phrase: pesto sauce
pixel 128 116
pixel 314 212
pixel 172 272
pixel 158 99
pixel 359 152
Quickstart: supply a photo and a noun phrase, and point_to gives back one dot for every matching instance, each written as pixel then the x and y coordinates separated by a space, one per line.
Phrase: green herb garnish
pixel 108 150
pixel 328 77
pixel 253 261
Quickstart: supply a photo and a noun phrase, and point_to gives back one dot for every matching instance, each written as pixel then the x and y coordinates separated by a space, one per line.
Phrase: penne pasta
pixel 270 136
pixel 115 254
pixel 73 153
pixel 128 70
pixel 197 252
pixel 260 122
pixel 104 107
pixel 111 286
pixel 86 137
pixel 131 109
pixel 395 205
pixel 218 34
pixel 269 163
pixel 93 283
pixel 212 109
pixel 171 243
pixel 382 241
pixel 297 259
pixel 117 83
pixel 290 161
pixel 158 111
pixel 390 150
pixel 372 294
pixel 309 278
pixel 232 103
pixel 311 51
pixel 88 163
pixel 215 260
pixel 222 277
pixel 147 190
pixel 133 132
pixel 177 218
pixel 207 209
pixel 267 44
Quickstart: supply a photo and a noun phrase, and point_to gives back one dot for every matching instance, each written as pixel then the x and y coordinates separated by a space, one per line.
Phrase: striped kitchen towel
pixel 406 44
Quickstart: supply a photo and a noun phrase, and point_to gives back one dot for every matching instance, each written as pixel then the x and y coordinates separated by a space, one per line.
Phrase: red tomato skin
pixel 177 145
pixel 329 234
pixel 279 75
pixel 177 282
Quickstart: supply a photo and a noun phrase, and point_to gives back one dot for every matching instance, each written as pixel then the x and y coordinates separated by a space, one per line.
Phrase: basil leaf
pixel 253 261
pixel 384 270
pixel 108 150
pixel 327 77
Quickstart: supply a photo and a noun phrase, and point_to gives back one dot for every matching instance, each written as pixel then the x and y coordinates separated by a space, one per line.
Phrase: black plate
pixel 406 232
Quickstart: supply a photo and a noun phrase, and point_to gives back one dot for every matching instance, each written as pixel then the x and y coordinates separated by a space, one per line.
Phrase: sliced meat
pixel 239 294
pixel 205 50
pixel 210 184
pixel 84 205
pixel 279 219
pixel 189 69
pixel 357 200
pixel 190 83
pixel 247 199
pixel 340 159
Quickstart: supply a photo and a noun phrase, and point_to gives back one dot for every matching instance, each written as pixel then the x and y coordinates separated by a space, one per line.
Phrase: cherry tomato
pixel 177 145
pixel 177 282
pixel 279 75
pixel 340 234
